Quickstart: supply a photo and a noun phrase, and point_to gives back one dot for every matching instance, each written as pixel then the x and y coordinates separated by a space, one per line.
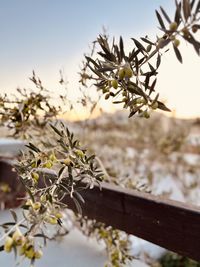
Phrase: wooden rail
pixel 170 224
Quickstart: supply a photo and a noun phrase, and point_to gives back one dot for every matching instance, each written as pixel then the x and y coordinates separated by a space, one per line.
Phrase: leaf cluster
pixel 28 108
pixel 130 78
pixel 49 177
pixel 116 242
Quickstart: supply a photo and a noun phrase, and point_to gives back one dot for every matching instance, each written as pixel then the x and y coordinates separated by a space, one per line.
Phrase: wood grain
pixel 169 224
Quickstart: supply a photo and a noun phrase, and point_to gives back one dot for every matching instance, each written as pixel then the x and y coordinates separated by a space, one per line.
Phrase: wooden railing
pixel 170 224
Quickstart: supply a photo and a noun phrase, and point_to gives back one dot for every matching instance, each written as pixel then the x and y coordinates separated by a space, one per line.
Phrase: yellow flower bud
pixel 173 26
pixel 105 90
pixel 52 220
pixel 128 72
pixel 22 250
pixel 38 254
pixel 121 74
pixel 33 165
pixel 43 198
pixel 29 202
pixel 35 176
pixel 58 215
pixel 16 235
pixel 8 244
pixel 36 205
pixel 19 240
pixel 176 42
pixel 154 105
pixel 48 164
pixel 52 157
pixel 30 253
pixel 146 114
pixel 79 153
pixel 115 84
pixel 67 161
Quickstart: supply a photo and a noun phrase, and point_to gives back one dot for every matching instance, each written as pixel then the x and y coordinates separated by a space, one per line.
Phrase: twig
pixel 11 229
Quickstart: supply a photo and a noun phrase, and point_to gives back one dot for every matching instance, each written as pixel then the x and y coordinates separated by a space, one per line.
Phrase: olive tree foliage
pixel 28 108
pixel 56 168
pixel 130 78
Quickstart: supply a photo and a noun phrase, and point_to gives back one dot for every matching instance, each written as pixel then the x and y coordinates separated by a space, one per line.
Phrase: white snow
pixel 170 186
pixel 141 248
pixel 74 250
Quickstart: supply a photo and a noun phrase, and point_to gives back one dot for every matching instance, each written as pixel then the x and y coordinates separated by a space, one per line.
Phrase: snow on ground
pixel 141 248
pixel 170 186
pixel 74 250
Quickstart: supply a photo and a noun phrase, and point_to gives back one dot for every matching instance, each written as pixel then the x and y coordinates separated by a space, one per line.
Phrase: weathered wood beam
pixel 169 224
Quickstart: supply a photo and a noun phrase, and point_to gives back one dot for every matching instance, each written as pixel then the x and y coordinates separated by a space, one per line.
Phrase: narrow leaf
pixel 178 16
pixel 160 20
pixel 178 54
pixel 152 86
pixel 78 206
pixel 192 4
pixel 121 46
pixel 14 215
pixel 186 9
pixel 165 15
pixel 158 61
pixel 89 59
pixel 139 45
pixel 132 113
pixel 133 55
pixel 162 106
pixel 56 130
pixel 33 147
pixel 61 171
pixel 147 41
pixel 78 195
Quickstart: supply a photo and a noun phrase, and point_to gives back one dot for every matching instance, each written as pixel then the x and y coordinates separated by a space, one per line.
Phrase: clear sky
pixel 49 35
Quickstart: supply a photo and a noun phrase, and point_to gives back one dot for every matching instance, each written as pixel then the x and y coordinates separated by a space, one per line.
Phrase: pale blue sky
pixel 48 30
pixel 49 35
